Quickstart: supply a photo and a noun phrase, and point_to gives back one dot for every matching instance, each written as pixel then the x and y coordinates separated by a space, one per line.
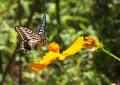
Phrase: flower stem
pixel 63 69
pixel 109 53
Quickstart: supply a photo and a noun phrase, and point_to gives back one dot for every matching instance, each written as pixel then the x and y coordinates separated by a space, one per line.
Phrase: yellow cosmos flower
pixel 54 52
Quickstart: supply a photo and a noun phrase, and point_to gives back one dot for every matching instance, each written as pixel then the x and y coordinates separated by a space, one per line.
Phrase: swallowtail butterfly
pixel 30 38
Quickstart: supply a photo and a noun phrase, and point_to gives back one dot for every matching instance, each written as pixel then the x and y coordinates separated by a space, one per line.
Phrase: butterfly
pixel 30 38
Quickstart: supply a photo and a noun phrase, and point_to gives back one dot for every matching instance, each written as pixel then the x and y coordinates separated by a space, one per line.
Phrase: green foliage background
pixel 66 20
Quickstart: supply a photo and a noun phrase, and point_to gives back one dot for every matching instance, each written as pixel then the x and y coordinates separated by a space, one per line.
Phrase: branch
pixel 1 68
pixel 31 15
pixel 7 69
pixel 58 12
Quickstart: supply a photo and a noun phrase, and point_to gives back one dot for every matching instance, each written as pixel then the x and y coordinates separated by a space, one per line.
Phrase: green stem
pixel 109 53
pixel 63 69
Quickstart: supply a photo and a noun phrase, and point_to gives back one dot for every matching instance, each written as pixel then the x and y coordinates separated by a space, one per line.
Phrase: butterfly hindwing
pixel 42 27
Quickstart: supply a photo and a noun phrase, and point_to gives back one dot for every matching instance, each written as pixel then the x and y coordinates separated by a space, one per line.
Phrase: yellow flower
pixel 54 53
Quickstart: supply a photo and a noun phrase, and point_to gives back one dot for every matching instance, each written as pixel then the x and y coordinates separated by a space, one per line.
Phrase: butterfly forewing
pixel 27 34
pixel 21 33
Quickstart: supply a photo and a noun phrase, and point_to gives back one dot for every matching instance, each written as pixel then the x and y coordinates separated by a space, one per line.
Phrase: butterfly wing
pixel 42 27
pixel 41 32
pixel 28 36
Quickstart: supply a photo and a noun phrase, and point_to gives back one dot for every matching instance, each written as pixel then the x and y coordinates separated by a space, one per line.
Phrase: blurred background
pixel 66 20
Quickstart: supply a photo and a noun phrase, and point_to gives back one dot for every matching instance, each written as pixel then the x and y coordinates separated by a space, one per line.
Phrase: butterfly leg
pixel 43 41
pixel 39 47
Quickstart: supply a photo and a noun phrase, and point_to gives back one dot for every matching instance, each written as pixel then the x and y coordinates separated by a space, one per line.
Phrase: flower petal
pixel 35 66
pixel 47 59
pixel 50 57
pixel 74 48
pixel 54 47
